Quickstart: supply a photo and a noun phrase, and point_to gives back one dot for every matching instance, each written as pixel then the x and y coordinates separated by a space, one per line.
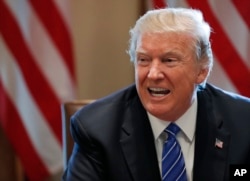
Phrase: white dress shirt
pixel 186 137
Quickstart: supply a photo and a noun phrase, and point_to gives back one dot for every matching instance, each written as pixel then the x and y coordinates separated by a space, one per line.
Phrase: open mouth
pixel 158 92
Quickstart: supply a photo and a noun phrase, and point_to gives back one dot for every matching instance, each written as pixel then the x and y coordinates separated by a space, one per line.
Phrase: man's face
pixel 167 73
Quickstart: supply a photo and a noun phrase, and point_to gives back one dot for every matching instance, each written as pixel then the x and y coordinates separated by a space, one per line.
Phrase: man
pixel 121 137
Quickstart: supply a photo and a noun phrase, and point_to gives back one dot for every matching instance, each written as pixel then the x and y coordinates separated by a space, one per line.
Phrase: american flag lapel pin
pixel 218 143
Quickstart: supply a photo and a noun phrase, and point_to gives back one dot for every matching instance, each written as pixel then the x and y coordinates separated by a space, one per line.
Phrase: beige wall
pixel 100 30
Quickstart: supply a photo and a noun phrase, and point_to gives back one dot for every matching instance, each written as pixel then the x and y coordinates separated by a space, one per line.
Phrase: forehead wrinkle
pixel 176 44
pixel 158 38
pixel 173 51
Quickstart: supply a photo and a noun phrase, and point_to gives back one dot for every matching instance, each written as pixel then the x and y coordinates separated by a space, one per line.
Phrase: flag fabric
pixel 36 75
pixel 230 39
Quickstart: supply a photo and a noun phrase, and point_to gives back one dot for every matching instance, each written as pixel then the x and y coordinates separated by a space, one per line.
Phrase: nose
pixel 155 71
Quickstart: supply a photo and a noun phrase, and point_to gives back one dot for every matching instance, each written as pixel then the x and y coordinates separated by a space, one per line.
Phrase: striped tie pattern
pixel 173 165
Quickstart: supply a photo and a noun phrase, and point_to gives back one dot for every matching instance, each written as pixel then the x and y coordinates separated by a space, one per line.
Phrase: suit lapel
pixel 211 142
pixel 137 142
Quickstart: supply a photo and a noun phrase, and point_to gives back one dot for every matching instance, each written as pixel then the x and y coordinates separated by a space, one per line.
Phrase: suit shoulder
pixel 225 99
pixel 109 106
pixel 104 116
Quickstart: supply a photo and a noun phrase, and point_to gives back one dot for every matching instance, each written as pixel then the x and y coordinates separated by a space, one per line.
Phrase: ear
pixel 202 75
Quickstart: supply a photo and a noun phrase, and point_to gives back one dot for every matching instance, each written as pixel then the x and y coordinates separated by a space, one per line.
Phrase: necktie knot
pixel 172 129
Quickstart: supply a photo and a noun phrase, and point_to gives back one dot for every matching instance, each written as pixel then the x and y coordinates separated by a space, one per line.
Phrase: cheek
pixel 140 74
pixel 136 75
pixel 183 79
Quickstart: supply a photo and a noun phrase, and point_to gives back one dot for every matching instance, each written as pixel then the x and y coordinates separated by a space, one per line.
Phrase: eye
pixel 170 61
pixel 143 60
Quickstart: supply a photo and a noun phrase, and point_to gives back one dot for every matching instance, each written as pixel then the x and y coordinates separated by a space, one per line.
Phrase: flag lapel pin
pixel 218 143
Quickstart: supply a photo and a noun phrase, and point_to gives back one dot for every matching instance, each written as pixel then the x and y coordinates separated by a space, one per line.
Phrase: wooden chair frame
pixel 68 109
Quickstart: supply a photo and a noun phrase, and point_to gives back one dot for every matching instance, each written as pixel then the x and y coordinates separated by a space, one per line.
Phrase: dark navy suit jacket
pixel 114 140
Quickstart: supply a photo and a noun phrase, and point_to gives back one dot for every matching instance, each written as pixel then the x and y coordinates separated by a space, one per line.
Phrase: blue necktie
pixel 173 165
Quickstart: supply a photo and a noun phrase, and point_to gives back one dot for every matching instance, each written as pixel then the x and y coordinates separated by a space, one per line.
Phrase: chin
pixel 157 112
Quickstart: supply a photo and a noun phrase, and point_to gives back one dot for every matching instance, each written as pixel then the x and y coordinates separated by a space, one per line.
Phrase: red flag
pixel 36 75
pixel 230 39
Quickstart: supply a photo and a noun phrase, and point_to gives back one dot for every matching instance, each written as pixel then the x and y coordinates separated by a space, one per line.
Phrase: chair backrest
pixel 68 109
pixel 10 165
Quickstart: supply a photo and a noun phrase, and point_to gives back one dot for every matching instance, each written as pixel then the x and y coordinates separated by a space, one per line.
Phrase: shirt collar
pixel 186 122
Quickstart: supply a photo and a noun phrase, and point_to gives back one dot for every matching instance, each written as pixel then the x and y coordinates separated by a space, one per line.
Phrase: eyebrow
pixel 174 53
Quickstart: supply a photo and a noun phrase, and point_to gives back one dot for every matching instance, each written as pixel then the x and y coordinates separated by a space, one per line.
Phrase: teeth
pixel 158 92
pixel 158 95
pixel 157 89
